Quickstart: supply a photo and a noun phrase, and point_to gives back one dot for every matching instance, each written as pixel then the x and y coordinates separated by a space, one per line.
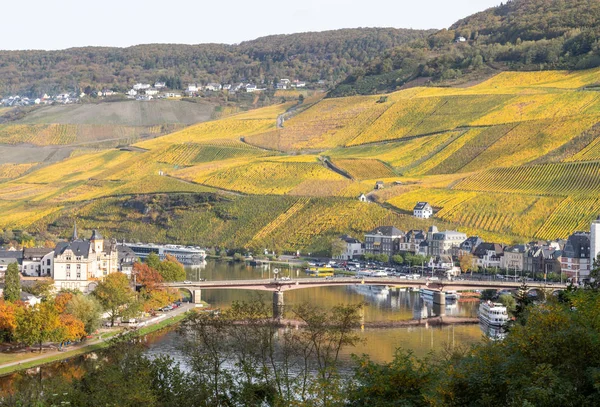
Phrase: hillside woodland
pixel 311 57
pixel 528 35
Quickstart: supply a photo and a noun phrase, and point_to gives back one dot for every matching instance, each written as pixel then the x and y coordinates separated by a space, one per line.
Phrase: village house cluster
pixel 145 91
pixel 75 265
pixel 572 258
pixel 159 90
pixel 61 99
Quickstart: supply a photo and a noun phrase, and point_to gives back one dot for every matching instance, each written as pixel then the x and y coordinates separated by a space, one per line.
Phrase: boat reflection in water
pixel 425 307
pixel 374 293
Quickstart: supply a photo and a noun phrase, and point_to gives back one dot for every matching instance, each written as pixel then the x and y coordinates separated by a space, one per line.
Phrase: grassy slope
pixel 505 159
pixel 127 113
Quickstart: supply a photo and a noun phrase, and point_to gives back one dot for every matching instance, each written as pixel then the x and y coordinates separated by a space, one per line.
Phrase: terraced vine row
pixel 362 169
pixel 281 219
pixel 546 179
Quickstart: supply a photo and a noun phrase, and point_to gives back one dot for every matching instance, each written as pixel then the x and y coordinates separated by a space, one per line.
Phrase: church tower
pixel 97 242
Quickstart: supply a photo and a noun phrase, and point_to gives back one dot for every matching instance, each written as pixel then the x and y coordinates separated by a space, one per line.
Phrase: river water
pixel 381 306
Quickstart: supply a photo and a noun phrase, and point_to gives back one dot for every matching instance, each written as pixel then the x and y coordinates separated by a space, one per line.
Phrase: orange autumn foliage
pixel 74 329
pixel 61 301
pixel 8 319
pixel 147 276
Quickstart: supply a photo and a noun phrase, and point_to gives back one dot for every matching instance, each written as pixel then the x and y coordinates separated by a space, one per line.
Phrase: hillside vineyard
pixel 509 159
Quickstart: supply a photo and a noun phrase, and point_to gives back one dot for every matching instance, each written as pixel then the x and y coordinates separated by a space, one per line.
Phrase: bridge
pixel 279 286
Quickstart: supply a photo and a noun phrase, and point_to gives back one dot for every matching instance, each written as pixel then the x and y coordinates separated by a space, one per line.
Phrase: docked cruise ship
pixel 494 314
pixel 184 254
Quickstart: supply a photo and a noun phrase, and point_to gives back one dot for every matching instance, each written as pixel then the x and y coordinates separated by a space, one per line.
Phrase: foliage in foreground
pixel 239 358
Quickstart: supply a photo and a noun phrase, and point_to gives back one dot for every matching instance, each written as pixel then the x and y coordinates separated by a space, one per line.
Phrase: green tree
pixel 384 258
pixel 116 296
pixel 509 302
pixel 38 324
pixel 153 261
pixel 397 259
pixel 12 283
pixel 87 309
pixel 171 270
pixel 337 247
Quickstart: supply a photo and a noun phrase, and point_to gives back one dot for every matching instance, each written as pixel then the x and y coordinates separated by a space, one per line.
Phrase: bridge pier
pixel 439 303
pixel 278 305
pixel 196 296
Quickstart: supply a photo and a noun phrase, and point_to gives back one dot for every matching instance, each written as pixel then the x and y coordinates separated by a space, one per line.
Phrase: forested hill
pixel 327 55
pixel 518 35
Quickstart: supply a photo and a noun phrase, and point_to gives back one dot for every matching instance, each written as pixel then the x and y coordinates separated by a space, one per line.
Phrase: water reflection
pixel 382 305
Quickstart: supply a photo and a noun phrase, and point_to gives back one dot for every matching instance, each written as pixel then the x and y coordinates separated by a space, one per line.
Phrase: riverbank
pixel 88 346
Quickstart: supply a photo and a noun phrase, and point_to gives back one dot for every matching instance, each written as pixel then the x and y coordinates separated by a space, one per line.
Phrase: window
pixel 68 274
pixel 47 262
pixel 78 274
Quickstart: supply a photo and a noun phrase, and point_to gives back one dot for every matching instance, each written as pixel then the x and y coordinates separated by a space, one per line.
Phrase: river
pixel 381 306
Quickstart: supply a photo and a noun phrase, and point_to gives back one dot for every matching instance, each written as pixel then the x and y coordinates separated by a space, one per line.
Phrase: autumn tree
pixel 466 262
pixel 38 324
pixel 147 276
pixel 12 283
pixel 61 301
pixel 116 296
pixel 73 328
pixel 8 320
pixel 153 295
pixel 87 309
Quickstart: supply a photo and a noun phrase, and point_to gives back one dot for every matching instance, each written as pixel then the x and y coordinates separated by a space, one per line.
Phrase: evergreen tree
pixel 12 283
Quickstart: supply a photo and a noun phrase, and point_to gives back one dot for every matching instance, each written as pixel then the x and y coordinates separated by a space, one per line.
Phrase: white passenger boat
pixel 493 314
pixel 184 254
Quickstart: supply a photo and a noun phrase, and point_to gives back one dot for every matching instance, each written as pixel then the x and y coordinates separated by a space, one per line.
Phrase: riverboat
pixel 493 314
pixel 184 254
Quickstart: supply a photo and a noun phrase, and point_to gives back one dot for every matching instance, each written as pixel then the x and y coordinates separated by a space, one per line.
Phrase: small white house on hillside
pixel 422 210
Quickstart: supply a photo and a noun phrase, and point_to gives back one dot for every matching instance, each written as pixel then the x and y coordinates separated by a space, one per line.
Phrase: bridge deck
pixel 294 284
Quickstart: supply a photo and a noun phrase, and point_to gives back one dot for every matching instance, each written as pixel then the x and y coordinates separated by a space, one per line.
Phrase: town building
pixel 489 255
pixel 127 258
pixel 447 242
pixel 514 257
pixel 353 248
pixel 469 245
pixel 410 242
pixel 423 210
pixel 363 198
pixel 8 257
pixel 383 240
pixel 80 263
pixel 575 259
pixel 37 262
pixel 594 240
